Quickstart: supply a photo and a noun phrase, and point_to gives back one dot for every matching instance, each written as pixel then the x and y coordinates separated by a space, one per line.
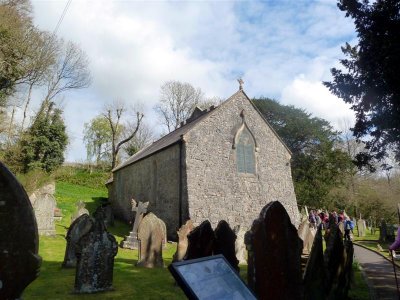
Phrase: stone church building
pixel 225 162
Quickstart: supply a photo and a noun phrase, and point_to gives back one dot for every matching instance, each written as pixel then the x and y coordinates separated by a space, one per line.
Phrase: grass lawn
pixel 130 282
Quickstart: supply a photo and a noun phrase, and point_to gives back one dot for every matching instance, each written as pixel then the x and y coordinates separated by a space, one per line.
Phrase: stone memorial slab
pixel 95 259
pixel 200 241
pixel 314 274
pixel 80 227
pixel 131 241
pixel 224 243
pixel 80 210
pixel 333 255
pixel 361 227
pixel 274 255
pixel 383 231
pixel 108 213
pixel 19 241
pixel 182 244
pixel 240 246
pixel 44 204
pixel 306 234
pixel 344 276
pixel 151 234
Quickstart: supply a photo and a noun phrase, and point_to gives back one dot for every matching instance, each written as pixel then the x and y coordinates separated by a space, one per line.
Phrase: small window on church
pixel 245 150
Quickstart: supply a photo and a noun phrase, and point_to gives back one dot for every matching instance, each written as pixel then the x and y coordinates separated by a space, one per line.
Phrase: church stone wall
pixel 215 190
pixel 154 179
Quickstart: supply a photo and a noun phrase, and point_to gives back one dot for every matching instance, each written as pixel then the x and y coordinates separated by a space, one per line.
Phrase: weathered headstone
pixel 80 210
pixel 151 234
pixel 333 255
pixel 182 244
pixel 108 213
pixel 240 246
pixel 200 241
pixel 43 203
pixel 224 243
pixel 307 234
pixel 131 241
pixel 344 276
pixel 274 255
pixel 383 231
pixel 80 227
pixel 95 259
pixel 19 242
pixel 361 227
pixel 314 274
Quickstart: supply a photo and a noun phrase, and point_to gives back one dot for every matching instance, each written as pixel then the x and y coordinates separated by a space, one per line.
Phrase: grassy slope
pixel 129 281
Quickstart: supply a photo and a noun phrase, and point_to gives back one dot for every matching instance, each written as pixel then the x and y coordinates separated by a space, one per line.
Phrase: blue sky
pixel 282 49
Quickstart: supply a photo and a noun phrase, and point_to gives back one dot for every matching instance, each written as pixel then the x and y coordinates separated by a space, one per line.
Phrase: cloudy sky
pixel 282 49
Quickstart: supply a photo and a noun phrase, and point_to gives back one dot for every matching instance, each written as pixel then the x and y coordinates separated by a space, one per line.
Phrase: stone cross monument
pixel 131 241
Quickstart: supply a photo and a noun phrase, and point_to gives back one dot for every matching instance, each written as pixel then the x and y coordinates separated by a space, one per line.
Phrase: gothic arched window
pixel 245 152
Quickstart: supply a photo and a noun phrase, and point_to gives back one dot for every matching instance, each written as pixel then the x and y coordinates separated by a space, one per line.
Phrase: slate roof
pixel 176 135
pixel 164 142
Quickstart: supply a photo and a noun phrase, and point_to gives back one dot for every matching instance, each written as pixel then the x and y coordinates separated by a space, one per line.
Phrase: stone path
pixel 379 272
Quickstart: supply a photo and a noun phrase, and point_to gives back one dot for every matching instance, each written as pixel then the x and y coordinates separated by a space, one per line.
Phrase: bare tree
pixel 69 72
pixel 177 102
pixel 114 113
pixel 143 138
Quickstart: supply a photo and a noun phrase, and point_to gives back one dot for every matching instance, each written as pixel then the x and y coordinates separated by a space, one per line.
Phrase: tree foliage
pixel 369 79
pixel 97 138
pixel 317 166
pixel 43 144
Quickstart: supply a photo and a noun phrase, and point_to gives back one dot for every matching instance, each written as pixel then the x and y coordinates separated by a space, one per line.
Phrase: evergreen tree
pixel 44 143
pixel 317 166
pixel 369 80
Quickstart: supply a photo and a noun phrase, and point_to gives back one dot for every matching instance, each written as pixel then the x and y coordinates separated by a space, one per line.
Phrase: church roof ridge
pixel 175 136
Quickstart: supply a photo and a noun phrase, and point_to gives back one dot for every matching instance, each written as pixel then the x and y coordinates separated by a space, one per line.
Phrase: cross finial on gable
pixel 241 82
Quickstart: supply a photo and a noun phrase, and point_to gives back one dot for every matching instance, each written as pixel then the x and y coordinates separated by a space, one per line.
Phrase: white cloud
pixel 318 100
pixel 134 46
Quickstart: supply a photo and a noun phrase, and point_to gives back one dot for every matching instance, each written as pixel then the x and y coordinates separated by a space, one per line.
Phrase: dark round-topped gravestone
pixel 19 262
pixel 224 243
pixel 274 255
pixel 95 259
pixel 200 241
pixel 81 226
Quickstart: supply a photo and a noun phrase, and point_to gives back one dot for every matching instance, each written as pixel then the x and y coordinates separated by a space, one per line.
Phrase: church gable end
pixel 236 164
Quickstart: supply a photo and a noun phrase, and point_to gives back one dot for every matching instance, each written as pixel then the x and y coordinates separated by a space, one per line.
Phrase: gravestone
pixel 314 274
pixel 361 227
pixel 200 241
pixel 44 204
pixel 108 213
pixel 19 241
pixel 390 235
pixel 240 246
pixel 333 255
pixel 95 259
pixel 151 234
pixel 274 255
pixel 224 243
pixel 80 227
pixel 80 210
pixel 306 234
pixel 131 241
pixel 182 244
pixel 57 214
pixel 383 231
pixel 344 276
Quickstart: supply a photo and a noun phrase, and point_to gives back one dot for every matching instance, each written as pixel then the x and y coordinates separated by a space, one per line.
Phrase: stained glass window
pixel 245 156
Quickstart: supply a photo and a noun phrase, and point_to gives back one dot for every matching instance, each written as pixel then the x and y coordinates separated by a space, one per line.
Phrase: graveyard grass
pixel 129 282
